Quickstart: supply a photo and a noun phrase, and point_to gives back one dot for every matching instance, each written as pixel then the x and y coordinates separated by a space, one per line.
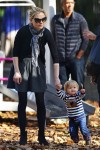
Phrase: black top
pixel 22 48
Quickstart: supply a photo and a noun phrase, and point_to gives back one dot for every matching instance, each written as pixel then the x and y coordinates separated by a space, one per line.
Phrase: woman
pixel 94 57
pixel 28 71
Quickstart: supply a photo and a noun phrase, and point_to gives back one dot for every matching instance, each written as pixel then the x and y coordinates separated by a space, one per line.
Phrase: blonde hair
pixel 70 82
pixel 36 10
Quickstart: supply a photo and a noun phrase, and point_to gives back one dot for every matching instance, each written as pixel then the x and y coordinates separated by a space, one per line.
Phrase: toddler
pixel 72 98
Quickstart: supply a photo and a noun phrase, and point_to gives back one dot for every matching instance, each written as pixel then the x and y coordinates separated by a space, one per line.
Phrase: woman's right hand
pixel 17 78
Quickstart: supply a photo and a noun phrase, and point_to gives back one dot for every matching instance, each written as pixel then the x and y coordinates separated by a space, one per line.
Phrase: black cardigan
pixel 22 48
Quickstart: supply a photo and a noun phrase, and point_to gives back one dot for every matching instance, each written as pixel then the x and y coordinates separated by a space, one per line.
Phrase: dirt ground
pixel 56 134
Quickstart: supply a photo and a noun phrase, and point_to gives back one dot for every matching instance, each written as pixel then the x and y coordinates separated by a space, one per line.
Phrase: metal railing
pixel 5 3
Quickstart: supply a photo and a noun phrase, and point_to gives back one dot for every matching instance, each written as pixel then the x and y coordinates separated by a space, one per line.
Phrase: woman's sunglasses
pixel 38 20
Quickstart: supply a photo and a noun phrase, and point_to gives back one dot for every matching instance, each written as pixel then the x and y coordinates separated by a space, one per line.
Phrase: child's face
pixel 72 89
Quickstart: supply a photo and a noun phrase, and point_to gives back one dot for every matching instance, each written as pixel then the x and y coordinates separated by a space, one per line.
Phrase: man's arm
pixel 83 28
pixel 89 35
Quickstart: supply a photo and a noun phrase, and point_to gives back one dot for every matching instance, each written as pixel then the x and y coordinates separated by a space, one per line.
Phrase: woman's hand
pixel 17 78
pixel 58 86
pixel 57 83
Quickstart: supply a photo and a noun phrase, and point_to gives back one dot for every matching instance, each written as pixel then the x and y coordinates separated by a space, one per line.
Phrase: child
pixel 73 101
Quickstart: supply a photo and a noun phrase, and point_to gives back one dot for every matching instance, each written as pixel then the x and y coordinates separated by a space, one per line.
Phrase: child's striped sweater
pixel 73 104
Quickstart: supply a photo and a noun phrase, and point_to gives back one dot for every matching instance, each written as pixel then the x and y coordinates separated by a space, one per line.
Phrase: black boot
pixel 43 141
pixel 23 138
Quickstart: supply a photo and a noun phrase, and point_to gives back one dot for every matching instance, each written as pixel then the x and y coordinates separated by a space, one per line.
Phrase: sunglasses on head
pixel 38 20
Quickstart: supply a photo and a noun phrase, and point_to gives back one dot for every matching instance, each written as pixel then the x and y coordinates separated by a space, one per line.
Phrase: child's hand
pixel 82 91
pixel 59 86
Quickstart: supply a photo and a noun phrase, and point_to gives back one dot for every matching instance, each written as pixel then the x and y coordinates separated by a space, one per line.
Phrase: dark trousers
pixel 41 112
pixel 74 126
pixel 74 67
pixel 98 87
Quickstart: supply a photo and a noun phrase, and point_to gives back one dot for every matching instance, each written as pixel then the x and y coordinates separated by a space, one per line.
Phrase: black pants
pixel 41 112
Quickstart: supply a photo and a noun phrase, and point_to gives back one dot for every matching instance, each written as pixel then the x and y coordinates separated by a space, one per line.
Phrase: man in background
pixel 68 28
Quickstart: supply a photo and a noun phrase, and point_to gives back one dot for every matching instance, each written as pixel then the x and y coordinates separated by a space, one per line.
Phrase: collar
pixel 72 17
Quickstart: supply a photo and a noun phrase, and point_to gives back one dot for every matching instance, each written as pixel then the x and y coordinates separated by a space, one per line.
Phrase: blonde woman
pixel 28 71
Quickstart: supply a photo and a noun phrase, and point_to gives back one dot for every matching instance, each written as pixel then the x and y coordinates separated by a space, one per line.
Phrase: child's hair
pixel 70 82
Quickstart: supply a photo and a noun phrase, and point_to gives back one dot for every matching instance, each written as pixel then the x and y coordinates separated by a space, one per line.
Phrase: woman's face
pixel 39 20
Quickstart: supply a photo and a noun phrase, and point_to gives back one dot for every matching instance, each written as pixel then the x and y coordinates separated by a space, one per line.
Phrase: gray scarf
pixel 34 44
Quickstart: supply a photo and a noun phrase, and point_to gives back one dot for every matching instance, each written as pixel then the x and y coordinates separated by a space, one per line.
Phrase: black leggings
pixel 41 111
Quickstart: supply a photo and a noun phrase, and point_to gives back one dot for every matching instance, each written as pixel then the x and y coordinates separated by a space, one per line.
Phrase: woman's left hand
pixel 58 86
pixel 57 83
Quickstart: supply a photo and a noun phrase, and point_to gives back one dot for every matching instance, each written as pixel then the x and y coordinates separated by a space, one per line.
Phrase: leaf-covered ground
pixel 56 134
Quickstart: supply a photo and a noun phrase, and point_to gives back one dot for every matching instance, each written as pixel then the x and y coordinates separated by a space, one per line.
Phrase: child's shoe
pixel 88 142
pixel 76 141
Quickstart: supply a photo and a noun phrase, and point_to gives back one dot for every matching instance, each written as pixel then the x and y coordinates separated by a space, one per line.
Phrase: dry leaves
pixel 57 134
